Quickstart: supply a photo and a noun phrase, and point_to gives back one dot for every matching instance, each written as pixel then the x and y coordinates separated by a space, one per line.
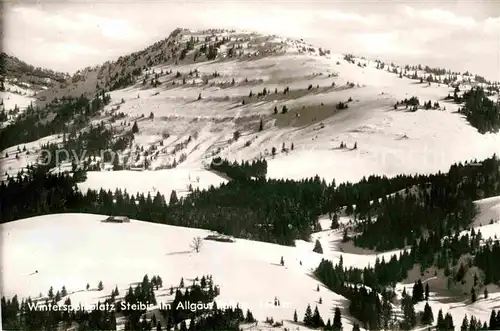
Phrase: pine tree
pixel 317 247
pixel 173 198
pixel 473 295
pixel 355 327
pixel 337 320
pixel 135 128
pixel 308 316
pixel 100 287
pixel 473 324
pixel 409 315
pixel 261 125
pixel 465 324
pixel 317 321
pixel 427 316
pixel 295 317
pixel 87 287
pixel 460 273
pixel 249 317
pixel 440 320
pixel 426 291
pixel 335 222
pixel 386 311
pixel 64 292
pixel 485 293
pixel 181 285
pixel 448 322
pixel 493 320
pixel 51 293
pixel 418 291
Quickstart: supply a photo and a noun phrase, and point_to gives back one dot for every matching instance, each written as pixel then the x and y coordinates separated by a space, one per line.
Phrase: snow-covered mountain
pixel 189 108
pixel 170 110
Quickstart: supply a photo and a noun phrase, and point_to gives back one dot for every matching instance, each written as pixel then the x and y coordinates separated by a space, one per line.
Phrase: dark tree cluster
pixel 37 192
pixel 243 171
pixel 314 319
pixel 212 49
pixel 366 304
pixel 204 292
pixel 387 274
pixel 486 258
pixel 142 293
pixel 439 203
pixel 122 80
pixel 207 316
pixel 481 112
pixel 23 315
pixel 32 124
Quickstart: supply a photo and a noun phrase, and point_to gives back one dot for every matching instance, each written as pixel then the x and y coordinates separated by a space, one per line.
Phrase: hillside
pixel 191 110
pixel 20 84
pixel 388 171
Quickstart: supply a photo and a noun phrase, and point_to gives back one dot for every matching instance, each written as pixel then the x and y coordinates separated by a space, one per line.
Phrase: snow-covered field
pixel 163 181
pixel 72 250
pixel 11 100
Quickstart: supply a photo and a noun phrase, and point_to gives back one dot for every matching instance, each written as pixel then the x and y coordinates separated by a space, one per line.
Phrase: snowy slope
pixel 163 181
pixel 389 141
pixel 72 250
pixel 75 249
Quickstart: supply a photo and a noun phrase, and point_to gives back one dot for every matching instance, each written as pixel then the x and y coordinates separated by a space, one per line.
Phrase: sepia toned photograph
pixel 281 165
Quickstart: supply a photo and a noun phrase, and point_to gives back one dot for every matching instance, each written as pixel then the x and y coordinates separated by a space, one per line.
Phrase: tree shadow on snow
pixel 178 253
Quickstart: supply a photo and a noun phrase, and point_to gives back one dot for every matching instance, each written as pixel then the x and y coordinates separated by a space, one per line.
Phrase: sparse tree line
pixel 414 103
pixel 434 75
pixel 314 320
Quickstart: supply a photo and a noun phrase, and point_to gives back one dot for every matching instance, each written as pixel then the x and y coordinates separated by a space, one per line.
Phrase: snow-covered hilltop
pixel 294 176
pixel 244 96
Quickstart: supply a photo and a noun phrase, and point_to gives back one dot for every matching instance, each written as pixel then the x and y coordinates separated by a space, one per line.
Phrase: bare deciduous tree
pixel 196 244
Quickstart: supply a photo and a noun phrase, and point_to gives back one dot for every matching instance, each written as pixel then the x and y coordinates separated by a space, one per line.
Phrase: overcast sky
pixel 66 36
